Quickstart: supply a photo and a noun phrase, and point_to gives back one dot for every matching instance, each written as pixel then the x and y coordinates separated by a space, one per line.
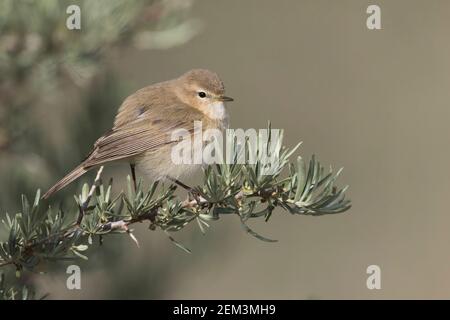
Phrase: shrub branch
pixel 38 234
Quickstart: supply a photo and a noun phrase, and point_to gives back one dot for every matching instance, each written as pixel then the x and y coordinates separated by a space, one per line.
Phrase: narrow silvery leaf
pixel 254 234
pixel 300 178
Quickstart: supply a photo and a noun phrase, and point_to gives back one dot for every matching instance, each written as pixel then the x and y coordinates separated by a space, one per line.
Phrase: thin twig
pixel 5 263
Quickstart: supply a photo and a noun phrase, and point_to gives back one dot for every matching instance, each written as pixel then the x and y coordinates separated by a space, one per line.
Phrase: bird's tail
pixel 74 174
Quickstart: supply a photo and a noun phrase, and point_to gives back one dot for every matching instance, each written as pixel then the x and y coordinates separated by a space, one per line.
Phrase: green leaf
pixel 179 245
pixel 254 234
pixel 81 247
pixel 78 254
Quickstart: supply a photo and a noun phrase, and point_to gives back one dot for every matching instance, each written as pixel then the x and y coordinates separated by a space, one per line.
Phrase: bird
pixel 142 131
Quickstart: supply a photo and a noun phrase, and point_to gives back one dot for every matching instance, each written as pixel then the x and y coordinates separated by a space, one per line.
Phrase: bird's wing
pixel 150 129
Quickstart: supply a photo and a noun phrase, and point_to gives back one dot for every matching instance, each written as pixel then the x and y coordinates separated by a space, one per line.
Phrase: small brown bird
pixel 143 127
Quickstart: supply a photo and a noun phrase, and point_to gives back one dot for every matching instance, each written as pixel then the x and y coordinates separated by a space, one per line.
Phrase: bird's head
pixel 203 90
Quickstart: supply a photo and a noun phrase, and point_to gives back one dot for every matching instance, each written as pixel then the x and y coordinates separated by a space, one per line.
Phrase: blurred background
pixel 373 101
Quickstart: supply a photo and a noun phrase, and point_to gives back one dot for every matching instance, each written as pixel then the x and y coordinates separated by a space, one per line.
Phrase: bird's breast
pixel 216 111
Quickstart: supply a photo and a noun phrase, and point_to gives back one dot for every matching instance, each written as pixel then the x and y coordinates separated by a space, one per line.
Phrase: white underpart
pixel 216 110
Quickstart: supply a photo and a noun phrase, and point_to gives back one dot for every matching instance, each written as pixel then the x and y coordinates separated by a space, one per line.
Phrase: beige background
pixel 374 102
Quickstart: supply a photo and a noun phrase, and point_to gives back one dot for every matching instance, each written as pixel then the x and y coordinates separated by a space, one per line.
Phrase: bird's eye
pixel 201 94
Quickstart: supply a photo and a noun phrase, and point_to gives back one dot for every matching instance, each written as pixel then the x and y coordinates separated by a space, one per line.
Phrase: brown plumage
pixel 143 126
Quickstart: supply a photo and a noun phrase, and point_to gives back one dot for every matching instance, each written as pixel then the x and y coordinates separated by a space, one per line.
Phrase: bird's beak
pixel 225 98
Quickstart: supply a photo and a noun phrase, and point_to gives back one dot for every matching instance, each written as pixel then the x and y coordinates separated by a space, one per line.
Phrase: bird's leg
pixel 194 193
pixel 133 175
pixel 181 184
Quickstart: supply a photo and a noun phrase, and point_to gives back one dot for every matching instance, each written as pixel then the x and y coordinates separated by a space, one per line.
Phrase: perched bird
pixel 143 127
